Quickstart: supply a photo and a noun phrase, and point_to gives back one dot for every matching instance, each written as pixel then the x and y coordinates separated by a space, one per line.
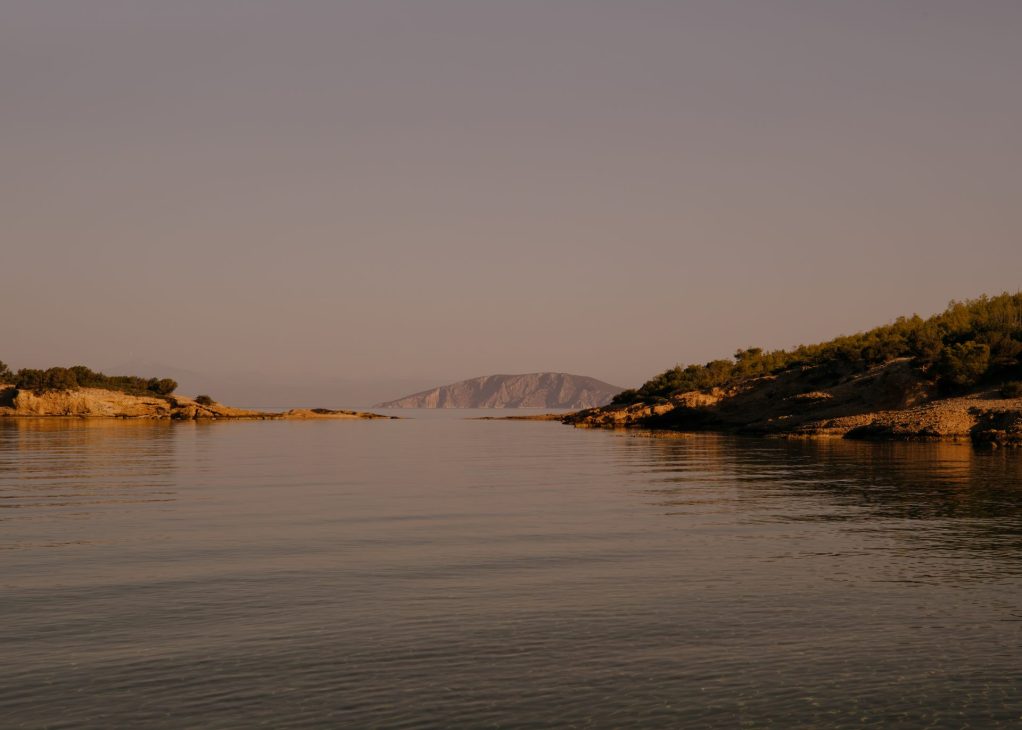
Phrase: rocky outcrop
pixel 533 390
pixel 101 403
pixel 636 414
pixel 312 414
pixel 998 427
pixel 889 402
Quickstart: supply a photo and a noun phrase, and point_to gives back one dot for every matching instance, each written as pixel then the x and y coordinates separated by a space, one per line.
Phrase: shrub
pixel 80 376
pixel 963 364
pixel 1012 389
pixel 204 400
pixel 6 376
pixel 164 386
pixel 29 379
pixel 41 380
pixel 59 379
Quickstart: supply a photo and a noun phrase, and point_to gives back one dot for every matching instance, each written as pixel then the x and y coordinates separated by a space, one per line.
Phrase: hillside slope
pixel 532 390
pixel 954 375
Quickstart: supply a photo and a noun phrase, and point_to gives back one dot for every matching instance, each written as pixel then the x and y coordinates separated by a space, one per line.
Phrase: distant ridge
pixel 531 390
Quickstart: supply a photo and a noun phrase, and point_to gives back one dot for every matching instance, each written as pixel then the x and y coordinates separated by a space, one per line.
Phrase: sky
pixel 425 191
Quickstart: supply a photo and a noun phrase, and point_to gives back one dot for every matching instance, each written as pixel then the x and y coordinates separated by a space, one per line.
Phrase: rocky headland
pixel 887 402
pixel 104 403
pixel 956 375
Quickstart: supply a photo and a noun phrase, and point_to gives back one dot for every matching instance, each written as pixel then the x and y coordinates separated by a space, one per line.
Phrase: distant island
pixel 956 375
pixel 532 390
pixel 84 393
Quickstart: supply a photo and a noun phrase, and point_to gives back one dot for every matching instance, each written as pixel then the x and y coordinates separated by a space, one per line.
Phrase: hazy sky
pixel 435 189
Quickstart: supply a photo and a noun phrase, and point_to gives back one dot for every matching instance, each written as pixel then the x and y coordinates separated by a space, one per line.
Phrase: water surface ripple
pixel 438 572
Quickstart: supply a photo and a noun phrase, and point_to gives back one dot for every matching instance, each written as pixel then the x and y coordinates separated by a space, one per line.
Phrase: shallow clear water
pixel 447 572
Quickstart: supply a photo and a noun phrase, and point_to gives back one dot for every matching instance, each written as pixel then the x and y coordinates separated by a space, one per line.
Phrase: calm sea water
pixel 442 572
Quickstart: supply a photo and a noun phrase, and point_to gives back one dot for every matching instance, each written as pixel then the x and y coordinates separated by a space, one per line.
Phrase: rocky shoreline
pixel 102 403
pixel 888 403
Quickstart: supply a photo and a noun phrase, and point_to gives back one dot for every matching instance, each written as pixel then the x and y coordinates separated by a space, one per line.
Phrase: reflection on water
pixel 894 479
pixel 438 571
pixel 82 467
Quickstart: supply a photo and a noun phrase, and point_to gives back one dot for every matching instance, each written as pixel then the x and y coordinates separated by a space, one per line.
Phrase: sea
pixel 440 571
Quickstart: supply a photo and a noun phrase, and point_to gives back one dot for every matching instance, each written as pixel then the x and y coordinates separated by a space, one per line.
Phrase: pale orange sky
pixel 438 190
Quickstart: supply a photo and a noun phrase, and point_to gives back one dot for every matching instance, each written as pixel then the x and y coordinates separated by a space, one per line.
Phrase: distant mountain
pixel 532 390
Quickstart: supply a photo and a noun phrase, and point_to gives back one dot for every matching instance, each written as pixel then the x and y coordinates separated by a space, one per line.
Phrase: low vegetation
pixel 204 400
pixel 971 343
pixel 79 376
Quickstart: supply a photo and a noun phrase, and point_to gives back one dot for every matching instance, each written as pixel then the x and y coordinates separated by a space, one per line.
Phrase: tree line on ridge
pixel 971 343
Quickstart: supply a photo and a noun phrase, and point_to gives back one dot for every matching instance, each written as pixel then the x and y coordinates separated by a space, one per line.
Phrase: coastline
pixel 984 421
pixel 889 402
pixel 102 403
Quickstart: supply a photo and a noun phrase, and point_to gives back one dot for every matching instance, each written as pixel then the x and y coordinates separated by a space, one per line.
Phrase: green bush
pixel 41 380
pixel 161 386
pixel 29 379
pixel 60 379
pixel 80 376
pixel 6 376
pixel 963 364
pixel 204 400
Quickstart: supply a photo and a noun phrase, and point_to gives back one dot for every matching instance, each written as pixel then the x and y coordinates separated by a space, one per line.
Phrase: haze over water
pixel 439 571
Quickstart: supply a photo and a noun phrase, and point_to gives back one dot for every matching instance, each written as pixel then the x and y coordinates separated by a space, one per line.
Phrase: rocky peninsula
pixel 886 404
pixel 955 376
pixel 104 403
